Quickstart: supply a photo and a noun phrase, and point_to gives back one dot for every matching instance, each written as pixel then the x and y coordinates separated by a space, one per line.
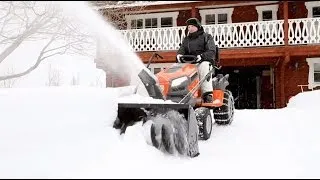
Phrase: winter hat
pixel 194 21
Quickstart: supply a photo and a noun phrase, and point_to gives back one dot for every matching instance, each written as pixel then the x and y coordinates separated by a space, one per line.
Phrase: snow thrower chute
pixel 176 127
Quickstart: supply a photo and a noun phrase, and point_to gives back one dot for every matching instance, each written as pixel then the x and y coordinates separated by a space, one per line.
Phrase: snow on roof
pixel 143 3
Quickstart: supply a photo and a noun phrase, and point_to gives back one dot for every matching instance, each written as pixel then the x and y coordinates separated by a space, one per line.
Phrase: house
pixel 271 49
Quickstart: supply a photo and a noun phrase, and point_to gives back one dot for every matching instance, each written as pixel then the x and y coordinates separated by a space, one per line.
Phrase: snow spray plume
pixel 112 49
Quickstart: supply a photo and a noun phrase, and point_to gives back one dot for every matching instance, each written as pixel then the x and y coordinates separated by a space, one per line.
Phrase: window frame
pixel 151 23
pixel 174 16
pixel 165 26
pixel 267 19
pixel 204 12
pixel 274 8
pixel 310 6
pixel 311 61
pixel 136 21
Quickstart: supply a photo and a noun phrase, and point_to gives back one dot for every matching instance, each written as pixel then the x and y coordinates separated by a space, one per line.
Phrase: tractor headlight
pixel 179 82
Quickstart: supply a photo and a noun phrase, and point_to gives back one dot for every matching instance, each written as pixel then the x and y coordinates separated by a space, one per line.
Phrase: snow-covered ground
pixel 67 132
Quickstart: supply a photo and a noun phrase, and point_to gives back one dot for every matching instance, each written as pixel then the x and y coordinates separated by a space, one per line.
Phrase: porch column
pixel 282 79
pixel 285 23
pixel 286 57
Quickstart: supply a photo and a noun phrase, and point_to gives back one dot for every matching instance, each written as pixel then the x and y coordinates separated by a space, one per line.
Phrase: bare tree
pixel 115 11
pixel 22 21
pixel 54 77
pixel 75 80
pixel 8 83
pixel 98 81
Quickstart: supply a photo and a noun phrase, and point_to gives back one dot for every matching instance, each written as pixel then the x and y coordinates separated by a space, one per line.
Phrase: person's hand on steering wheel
pixel 178 57
pixel 198 59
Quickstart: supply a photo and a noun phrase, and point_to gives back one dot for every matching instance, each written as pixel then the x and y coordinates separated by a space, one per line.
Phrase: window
pixel 136 24
pixel 151 23
pixel 222 18
pixel 314 72
pixel 267 13
pixel 152 20
pixel 166 22
pixel 316 12
pixel 216 16
pixel 210 19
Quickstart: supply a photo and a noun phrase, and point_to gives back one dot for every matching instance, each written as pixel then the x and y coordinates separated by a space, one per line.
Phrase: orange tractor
pixel 175 127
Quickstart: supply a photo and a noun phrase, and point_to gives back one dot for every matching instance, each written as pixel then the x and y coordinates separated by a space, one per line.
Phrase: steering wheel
pixel 188 58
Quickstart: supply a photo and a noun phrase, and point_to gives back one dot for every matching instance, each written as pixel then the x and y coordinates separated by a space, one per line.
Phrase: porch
pixel 242 44
pixel 230 36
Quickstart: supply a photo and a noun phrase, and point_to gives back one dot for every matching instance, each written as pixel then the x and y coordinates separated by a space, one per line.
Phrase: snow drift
pixel 67 133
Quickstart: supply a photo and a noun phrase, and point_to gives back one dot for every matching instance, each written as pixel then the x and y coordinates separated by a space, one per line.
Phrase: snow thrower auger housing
pixel 177 126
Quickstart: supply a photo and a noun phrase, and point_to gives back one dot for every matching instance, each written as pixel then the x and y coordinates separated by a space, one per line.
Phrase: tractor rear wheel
pixel 224 115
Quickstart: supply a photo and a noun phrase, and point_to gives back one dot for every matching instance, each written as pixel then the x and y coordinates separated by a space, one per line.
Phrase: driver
pixel 200 44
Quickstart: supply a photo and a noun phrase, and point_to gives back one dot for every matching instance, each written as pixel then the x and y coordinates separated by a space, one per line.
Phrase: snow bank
pixel 67 132
pixel 303 112
pixel 305 100
pixel 54 132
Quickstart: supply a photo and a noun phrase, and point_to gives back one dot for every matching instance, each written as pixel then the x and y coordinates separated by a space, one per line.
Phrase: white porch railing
pixel 154 39
pixel 248 34
pixel 304 31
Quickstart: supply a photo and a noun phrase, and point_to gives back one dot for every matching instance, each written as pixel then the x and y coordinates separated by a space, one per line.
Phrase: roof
pixel 142 3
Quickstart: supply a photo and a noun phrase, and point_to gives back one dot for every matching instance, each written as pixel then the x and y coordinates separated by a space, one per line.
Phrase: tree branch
pixel 39 60
pixel 10 49
pixel 14 45
pixel 8 12
pixel 26 22
pixel 2 78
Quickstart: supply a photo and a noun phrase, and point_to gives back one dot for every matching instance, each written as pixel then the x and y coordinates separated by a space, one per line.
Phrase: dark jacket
pixel 194 44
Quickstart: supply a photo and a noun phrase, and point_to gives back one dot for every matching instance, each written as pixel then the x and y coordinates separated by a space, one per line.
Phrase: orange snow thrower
pixel 180 83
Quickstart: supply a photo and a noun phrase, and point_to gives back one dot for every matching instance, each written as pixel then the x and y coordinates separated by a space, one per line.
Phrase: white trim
pixel 311 62
pixel 273 8
pixel 174 16
pixel 310 5
pixel 204 12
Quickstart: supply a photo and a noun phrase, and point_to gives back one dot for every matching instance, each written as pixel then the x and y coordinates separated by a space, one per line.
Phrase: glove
pixel 198 59
pixel 178 58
